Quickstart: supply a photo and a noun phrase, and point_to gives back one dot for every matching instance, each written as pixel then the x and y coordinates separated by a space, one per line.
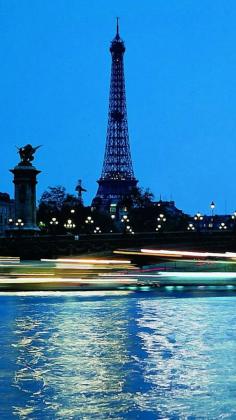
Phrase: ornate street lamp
pixel 161 219
pixel 190 227
pixel 19 223
pixel 222 226
pixel 234 215
pixel 97 230
pixel 69 224
pixel 198 216
pixel 125 219
pixel 129 230
pixel 54 221
pixel 212 205
pixel 89 222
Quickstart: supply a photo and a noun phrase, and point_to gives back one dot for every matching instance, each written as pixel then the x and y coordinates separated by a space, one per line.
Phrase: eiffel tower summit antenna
pixel 117 179
pixel 117 26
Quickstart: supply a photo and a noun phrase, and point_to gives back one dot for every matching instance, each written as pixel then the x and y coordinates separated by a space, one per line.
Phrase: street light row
pixel 18 223
pixel 70 225
pixel 199 218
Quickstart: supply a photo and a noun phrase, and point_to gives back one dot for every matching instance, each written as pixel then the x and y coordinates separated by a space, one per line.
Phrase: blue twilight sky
pixel 180 67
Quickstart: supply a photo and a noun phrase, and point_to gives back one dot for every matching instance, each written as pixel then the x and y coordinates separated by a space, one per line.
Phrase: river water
pixel 117 355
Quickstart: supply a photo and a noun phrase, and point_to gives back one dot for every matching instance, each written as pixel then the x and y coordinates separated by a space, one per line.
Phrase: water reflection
pixel 191 357
pixel 117 357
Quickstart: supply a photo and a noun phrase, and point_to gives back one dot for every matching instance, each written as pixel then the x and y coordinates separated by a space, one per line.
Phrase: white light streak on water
pixel 66 293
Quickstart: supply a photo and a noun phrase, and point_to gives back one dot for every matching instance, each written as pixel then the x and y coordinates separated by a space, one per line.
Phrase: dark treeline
pixel 60 212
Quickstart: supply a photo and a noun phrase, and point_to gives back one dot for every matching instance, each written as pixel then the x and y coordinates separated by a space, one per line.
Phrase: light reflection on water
pixel 117 356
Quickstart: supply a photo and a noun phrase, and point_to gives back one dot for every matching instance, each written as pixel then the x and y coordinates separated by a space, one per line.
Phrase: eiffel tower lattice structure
pixel 117 179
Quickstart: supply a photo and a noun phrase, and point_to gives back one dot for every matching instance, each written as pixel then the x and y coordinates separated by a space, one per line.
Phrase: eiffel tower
pixel 117 179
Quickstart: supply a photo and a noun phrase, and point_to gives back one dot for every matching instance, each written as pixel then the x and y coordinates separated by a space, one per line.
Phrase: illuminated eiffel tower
pixel 117 178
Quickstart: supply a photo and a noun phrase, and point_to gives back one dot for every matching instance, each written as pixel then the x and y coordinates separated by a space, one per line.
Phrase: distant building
pixel 168 208
pixel 7 211
pixel 203 223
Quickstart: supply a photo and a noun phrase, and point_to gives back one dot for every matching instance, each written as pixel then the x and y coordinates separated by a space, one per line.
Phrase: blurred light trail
pixel 9 260
pixel 188 275
pixel 180 254
pixel 86 261
pixel 61 280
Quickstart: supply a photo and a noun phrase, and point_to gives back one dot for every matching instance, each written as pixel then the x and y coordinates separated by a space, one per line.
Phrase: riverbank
pixel 35 248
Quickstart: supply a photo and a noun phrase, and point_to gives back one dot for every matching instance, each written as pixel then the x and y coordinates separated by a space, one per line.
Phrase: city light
pixel 19 223
pixel 222 226
pixel 198 216
pixel 97 230
pixel 234 215
pixel 69 224
pixel 125 219
pixel 161 219
pixel 89 220
pixel 129 230
pixel 212 205
pixel 54 221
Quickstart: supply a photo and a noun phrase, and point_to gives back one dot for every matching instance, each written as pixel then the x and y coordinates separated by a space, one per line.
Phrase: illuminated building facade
pixel 7 211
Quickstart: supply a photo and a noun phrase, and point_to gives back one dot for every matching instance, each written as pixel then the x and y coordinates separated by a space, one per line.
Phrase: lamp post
pixel 19 224
pixel 190 227
pixel 97 230
pixel 198 218
pixel 89 222
pixel 54 223
pixel 69 224
pixel 161 219
pixel 212 205
pixel 222 226
pixel 233 217
pixel 10 222
pixel 125 220
pixel 129 230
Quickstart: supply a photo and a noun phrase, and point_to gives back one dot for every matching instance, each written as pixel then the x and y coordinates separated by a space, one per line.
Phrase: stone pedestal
pixel 25 180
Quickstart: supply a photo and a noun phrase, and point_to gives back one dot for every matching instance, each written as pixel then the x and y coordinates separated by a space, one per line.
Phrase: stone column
pixel 25 180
